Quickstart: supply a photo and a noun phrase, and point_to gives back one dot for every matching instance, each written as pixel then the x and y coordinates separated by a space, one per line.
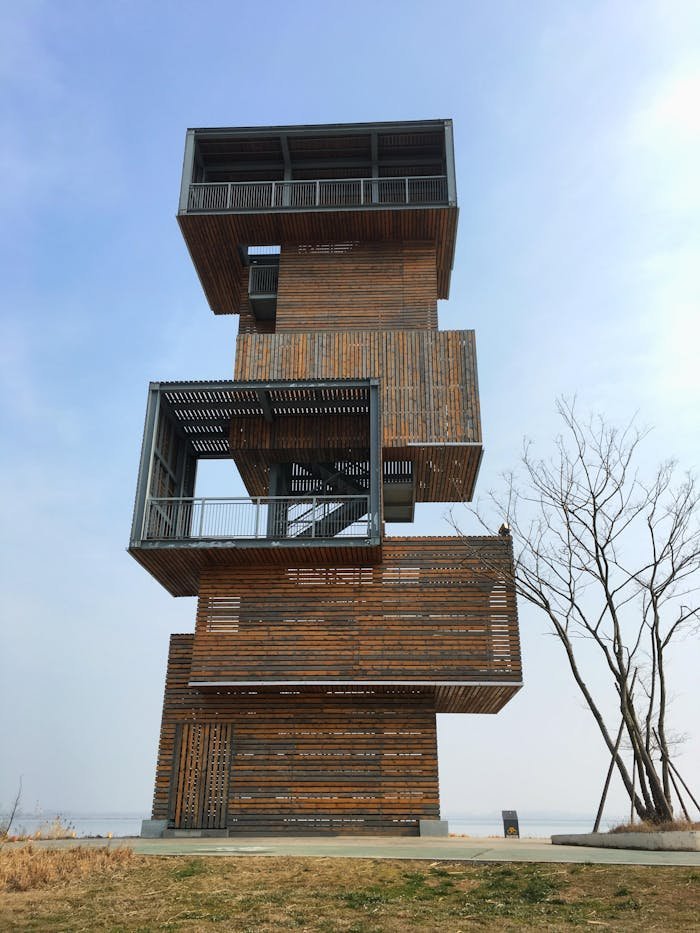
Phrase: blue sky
pixel 577 136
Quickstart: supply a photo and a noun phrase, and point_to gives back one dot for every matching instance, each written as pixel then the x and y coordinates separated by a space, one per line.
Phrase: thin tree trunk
pixel 601 805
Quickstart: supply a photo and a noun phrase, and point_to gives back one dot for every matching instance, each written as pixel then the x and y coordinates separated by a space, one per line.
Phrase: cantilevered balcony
pixel 249 186
pixel 315 446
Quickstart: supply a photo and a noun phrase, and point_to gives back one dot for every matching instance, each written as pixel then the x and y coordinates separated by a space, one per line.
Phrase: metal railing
pixel 271 517
pixel 319 193
pixel 263 279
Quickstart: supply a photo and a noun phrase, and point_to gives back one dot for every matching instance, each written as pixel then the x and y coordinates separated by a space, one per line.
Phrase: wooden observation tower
pixel 305 700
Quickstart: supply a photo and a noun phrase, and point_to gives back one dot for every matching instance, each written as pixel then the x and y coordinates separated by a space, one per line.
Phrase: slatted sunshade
pixel 250 146
pixel 203 410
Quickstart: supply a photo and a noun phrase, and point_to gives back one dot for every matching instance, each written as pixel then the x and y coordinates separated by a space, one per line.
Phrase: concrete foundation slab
pixel 153 829
pixel 651 842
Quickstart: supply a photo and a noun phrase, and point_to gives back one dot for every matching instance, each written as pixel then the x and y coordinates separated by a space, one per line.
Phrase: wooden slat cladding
pixel 213 239
pixel 433 610
pixel 357 286
pixel 178 568
pixel 324 763
pixel 200 779
pixel 428 379
pixel 320 438
pixel 429 395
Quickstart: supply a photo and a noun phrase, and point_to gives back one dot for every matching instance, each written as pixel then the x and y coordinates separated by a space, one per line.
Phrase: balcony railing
pixel 320 193
pixel 274 517
pixel 263 280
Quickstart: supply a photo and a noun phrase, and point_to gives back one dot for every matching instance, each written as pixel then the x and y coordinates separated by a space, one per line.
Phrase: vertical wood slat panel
pixel 200 775
pixel 429 396
pixel 357 286
pixel 438 367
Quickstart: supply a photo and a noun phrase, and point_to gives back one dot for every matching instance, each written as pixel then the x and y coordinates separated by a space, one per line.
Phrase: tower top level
pixel 248 187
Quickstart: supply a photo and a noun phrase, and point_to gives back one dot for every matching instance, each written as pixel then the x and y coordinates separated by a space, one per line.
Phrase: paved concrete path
pixel 462 848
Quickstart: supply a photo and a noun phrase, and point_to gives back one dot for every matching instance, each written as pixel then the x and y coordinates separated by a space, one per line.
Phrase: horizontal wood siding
pixel 357 286
pixel 213 239
pixel 315 439
pixel 434 609
pixel 179 567
pixel 320 764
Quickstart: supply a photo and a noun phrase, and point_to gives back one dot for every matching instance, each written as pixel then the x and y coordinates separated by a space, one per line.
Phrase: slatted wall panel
pixel 177 675
pixel 200 778
pixel 432 610
pixel 317 439
pixel 178 569
pixel 212 240
pixel 329 762
pixel 357 286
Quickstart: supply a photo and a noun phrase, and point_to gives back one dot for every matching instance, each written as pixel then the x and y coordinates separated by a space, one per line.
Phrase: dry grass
pixel 56 828
pixel 25 867
pixel 672 826
pixel 254 894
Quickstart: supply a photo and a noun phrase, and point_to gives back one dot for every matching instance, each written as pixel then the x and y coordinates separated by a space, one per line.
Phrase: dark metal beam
pixel 386 162
pixel 375 459
pixel 265 405
pixel 187 170
pixel 322 129
pixel 285 156
pixel 146 459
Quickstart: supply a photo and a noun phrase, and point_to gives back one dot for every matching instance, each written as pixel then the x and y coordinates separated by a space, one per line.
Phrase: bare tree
pixel 6 823
pixel 614 563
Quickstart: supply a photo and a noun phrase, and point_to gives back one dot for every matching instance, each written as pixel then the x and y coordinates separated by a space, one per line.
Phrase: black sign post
pixel 511 830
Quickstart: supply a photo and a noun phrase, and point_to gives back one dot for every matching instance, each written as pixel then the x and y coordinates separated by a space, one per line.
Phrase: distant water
pixel 82 826
pixel 130 825
pixel 533 828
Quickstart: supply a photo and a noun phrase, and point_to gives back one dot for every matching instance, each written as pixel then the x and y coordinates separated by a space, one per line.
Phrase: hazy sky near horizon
pixel 577 138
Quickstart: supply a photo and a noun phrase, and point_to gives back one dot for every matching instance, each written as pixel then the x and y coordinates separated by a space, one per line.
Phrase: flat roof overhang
pixel 468 696
pixel 178 565
pixel 213 239
pixel 204 410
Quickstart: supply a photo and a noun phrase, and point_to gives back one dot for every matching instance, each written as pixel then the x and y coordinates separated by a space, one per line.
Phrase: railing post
pixel 313 517
pixel 273 196
pixel 201 518
pixel 257 511
pixel 146 518
pixel 407 201
pixel 318 193
pixel 229 197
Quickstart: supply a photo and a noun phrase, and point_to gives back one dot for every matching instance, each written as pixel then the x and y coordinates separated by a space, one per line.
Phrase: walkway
pixel 464 848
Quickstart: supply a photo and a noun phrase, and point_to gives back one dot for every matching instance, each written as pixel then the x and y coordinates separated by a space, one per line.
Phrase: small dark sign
pixel 511 830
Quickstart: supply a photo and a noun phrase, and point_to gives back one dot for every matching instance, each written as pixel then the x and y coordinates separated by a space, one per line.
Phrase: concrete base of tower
pixel 153 829
pixel 433 828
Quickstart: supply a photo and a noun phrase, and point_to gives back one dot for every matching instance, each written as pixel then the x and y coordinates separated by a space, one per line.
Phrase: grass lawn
pixel 63 890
